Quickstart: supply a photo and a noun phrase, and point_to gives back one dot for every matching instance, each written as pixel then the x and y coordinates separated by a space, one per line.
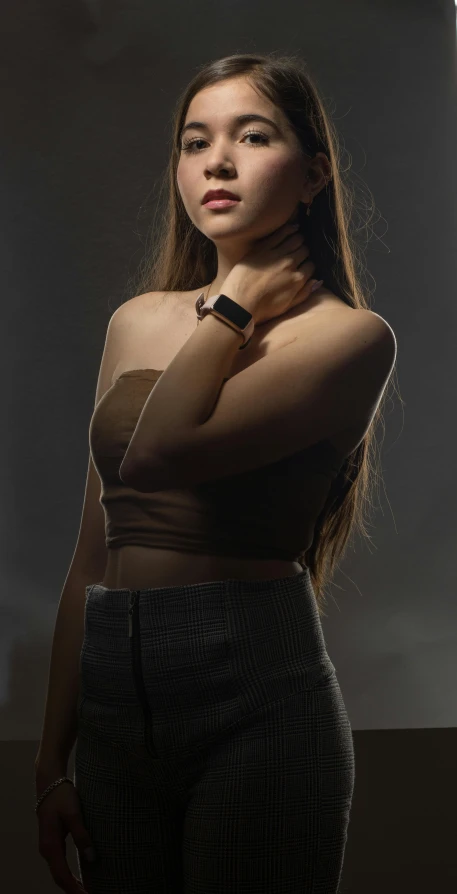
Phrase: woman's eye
pixel 187 145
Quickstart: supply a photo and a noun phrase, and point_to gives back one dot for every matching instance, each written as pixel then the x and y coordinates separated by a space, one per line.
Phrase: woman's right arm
pixel 87 567
pixel 60 718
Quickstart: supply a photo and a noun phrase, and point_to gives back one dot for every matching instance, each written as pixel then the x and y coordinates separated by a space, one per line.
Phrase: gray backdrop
pixel 87 90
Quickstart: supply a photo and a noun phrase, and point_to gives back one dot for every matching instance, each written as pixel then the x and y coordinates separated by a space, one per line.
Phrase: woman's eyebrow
pixel 239 119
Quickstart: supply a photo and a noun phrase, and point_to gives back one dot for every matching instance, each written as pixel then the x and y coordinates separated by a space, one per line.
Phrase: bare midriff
pixel 141 567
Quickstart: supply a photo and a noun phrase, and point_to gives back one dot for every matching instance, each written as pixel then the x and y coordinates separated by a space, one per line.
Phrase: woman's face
pixel 267 169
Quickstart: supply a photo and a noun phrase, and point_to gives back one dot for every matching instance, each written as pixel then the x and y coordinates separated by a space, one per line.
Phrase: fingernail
pixel 316 285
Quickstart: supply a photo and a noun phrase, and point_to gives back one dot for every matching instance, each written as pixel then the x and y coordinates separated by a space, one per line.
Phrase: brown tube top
pixel 266 513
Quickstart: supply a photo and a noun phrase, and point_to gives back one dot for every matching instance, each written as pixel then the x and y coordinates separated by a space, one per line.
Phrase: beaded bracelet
pixel 50 787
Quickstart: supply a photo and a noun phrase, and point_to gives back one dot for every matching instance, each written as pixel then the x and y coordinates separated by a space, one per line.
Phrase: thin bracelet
pixel 49 789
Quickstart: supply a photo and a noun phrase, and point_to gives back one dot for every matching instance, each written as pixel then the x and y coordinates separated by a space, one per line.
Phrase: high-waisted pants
pixel 214 752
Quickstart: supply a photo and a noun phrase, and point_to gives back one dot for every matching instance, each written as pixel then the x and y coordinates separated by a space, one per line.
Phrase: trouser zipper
pixel 134 635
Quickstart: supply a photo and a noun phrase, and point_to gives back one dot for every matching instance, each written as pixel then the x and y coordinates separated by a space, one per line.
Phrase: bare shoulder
pixel 379 321
pixel 358 348
pixel 380 338
pixel 361 326
pixel 368 346
pixel 361 342
pixel 150 328
pixel 370 341
pixel 377 331
pixel 170 305
pixel 141 306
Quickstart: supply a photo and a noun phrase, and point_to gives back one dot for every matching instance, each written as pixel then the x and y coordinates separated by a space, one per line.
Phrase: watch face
pixel 231 309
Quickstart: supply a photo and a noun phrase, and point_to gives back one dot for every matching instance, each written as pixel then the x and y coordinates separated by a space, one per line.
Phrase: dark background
pixel 87 89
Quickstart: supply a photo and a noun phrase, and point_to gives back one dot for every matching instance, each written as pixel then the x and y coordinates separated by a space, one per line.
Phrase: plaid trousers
pixel 214 752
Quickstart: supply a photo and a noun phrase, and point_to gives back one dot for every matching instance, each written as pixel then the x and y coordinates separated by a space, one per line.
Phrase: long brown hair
pixel 180 257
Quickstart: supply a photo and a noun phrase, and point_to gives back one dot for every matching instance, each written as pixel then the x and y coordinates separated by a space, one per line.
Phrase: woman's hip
pixel 198 659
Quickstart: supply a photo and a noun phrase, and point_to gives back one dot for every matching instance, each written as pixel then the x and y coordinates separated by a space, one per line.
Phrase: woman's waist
pixel 138 567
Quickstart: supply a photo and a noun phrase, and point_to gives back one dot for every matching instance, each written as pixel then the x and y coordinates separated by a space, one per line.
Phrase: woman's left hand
pixel 273 276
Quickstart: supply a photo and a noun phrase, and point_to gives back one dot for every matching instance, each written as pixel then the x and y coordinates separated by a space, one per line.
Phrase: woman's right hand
pixel 59 814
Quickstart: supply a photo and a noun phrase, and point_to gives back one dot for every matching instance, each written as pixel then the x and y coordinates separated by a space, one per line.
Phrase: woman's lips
pixel 220 203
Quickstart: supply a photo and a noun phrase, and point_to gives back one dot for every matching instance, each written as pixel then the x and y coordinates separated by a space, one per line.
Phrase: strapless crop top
pixel 266 513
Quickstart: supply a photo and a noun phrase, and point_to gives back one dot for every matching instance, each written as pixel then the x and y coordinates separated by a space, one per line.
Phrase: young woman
pixel 213 747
